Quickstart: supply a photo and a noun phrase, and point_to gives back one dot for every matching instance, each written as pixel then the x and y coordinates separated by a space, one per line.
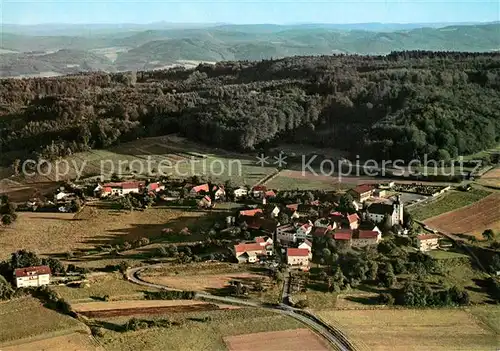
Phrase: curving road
pixel 334 336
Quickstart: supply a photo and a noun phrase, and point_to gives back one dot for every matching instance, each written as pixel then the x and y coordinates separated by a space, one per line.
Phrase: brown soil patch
pixel 116 305
pixel 70 342
pixel 473 219
pixel 124 312
pixel 204 282
pixel 491 177
pixel 290 340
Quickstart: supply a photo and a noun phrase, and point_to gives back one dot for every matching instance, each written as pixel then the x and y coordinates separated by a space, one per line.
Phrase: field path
pixel 334 336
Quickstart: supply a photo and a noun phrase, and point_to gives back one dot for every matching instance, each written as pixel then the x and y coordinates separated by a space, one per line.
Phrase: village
pixel 272 228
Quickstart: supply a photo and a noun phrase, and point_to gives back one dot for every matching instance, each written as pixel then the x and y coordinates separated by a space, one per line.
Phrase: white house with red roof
pixel 119 188
pixel 353 220
pixel 32 276
pixel 265 242
pixel 362 192
pixel 427 242
pixel 202 189
pixel 249 253
pixel 306 244
pixel 298 257
pixel 259 191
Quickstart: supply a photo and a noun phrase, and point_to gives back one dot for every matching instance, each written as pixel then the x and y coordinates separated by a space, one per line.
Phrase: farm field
pixel 168 155
pixel 111 284
pixel 449 201
pixel 14 324
pixel 194 334
pixel 212 278
pixel 69 342
pixel 490 315
pixel 473 219
pixel 442 329
pixel 491 178
pixel 291 340
pixel 58 233
pixel 116 305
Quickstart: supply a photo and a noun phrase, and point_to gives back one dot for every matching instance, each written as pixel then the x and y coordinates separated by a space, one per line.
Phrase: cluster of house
pixel 128 187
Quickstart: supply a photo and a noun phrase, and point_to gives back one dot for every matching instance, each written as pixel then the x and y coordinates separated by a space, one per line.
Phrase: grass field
pixel 198 335
pixel 26 318
pixel 489 315
pixel 450 201
pixel 213 278
pixel 111 284
pixel 451 329
pixel 290 340
pixel 168 155
pixel 473 219
pixel 70 342
pixel 49 233
pixel 443 255
pixel 491 178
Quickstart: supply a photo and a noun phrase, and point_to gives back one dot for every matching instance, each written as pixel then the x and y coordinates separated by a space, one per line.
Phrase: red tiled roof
pixel 297 252
pixel 198 188
pixel 250 213
pixel 260 239
pixel 320 231
pixel 368 234
pixel 427 236
pixel 363 188
pixel 248 247
pixel 153 186
pixel 270 193
pixel 107 189
pixel 259 188
pixel 353 218
pixel 342 236
pixel 35 270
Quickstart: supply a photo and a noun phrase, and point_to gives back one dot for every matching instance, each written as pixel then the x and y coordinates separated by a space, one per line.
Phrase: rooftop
pixel 297 252
pixel 34 270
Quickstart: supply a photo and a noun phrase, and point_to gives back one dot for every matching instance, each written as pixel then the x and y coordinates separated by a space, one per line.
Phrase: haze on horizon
pixel 31 12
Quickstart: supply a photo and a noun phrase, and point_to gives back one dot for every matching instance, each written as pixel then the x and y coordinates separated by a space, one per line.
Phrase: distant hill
pixel 132 48
pixel 60 62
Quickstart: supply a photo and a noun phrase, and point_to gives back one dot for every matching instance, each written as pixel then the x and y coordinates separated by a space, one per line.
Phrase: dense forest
pixel 402 105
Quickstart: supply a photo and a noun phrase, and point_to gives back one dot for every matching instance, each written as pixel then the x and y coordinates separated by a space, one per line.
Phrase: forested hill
pixel 403 105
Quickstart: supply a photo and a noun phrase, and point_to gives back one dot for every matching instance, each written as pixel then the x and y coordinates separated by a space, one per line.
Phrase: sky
pixel 247 12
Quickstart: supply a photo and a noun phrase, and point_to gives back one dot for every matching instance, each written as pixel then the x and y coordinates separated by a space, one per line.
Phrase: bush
pixel 169 295
pixel 96 331
pixel 386 299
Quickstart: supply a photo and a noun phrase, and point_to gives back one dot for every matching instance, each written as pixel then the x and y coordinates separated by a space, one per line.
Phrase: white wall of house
pixel 33 280
pixel 428 244
pixel 298 260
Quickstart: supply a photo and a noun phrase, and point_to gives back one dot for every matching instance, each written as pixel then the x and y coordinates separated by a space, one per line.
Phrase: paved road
pixel 333 335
